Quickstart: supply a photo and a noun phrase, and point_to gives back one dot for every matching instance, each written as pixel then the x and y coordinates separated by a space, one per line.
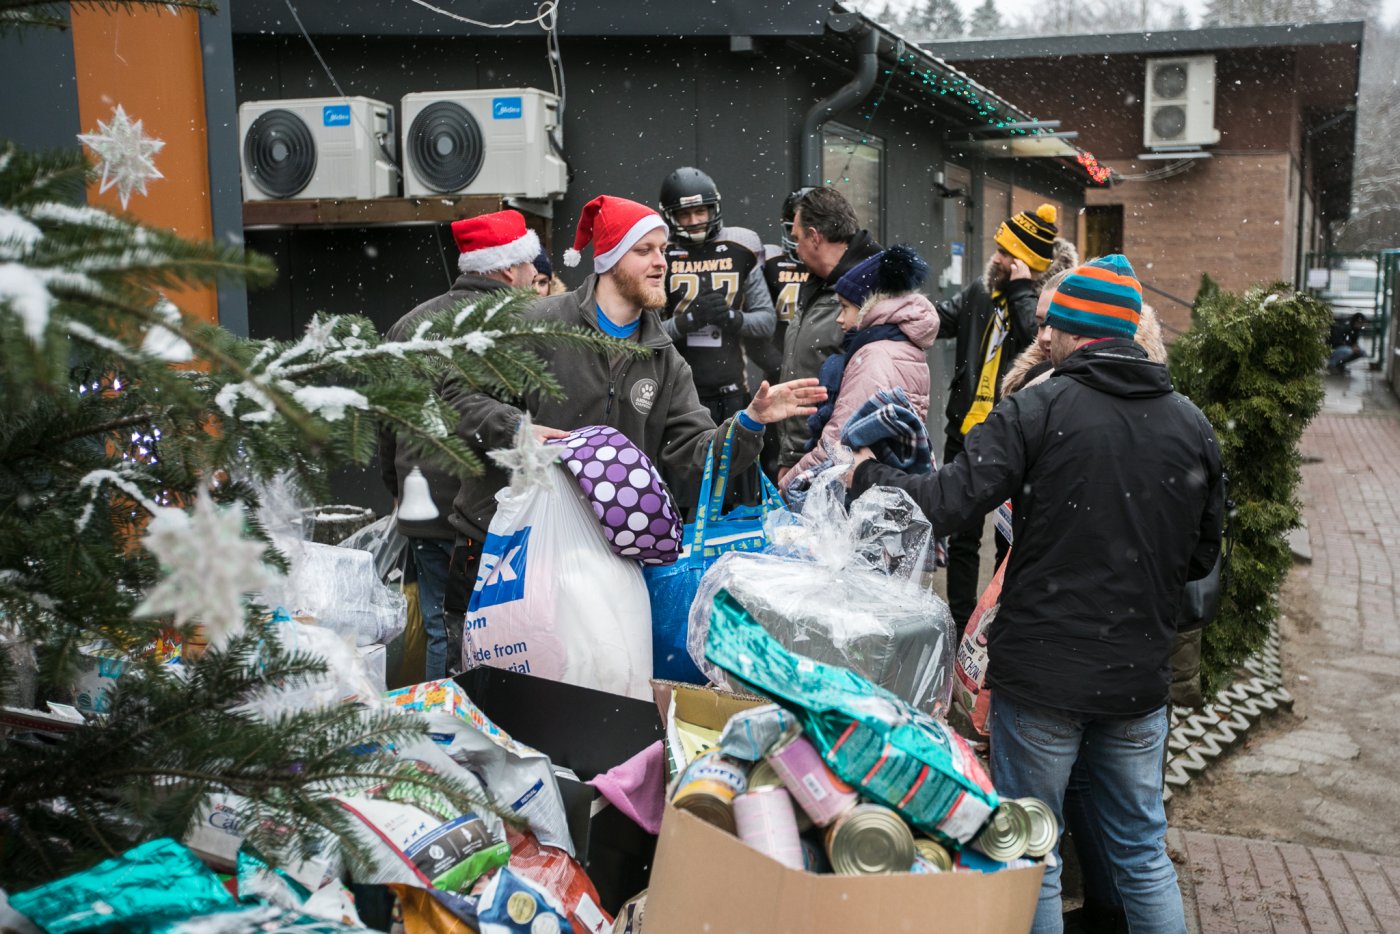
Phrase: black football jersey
pixel 723 264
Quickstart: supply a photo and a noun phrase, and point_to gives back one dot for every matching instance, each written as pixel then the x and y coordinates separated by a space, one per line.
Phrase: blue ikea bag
pixel 713 533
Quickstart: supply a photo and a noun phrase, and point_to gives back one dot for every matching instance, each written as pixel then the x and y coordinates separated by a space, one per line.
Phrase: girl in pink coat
pixel 889 327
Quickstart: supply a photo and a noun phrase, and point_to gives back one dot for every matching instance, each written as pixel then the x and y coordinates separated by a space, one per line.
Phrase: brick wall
pixel 1228 216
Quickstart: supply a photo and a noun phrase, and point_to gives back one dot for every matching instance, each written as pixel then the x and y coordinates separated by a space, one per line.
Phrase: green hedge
pixel 1253 363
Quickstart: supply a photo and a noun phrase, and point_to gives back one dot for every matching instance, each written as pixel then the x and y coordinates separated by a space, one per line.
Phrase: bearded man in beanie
pixel 992 320
pixel 495 251
pixel 651 399
pixel 1117 502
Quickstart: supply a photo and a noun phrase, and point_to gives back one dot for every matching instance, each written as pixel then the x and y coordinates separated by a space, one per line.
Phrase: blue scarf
pixel 834 371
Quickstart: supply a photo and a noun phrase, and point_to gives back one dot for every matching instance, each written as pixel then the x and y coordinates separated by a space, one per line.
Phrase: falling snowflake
pixel 207 567
pixel 124 154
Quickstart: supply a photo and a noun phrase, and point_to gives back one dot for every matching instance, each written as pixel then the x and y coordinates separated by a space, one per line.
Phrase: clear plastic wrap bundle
pixel 341 589
pixel 844 589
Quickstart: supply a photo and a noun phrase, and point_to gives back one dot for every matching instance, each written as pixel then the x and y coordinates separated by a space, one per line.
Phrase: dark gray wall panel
pixel 41 92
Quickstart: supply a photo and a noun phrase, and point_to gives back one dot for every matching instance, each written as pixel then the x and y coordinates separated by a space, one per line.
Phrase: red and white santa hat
pixel 494 241
pixel 614 225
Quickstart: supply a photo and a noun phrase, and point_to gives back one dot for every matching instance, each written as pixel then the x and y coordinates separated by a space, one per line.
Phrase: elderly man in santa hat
pixel 650 398
pixel 496 251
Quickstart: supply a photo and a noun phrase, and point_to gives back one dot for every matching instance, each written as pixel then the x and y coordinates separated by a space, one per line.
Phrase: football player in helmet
pixel 785 274
pixel 716 296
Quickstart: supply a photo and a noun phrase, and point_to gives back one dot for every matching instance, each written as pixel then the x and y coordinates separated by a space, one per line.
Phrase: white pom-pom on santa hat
pixel 613 225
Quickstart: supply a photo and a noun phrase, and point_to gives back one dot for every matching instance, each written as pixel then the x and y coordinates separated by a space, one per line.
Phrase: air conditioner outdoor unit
pixel 482 142
pixel 1179 105
pixel 320 147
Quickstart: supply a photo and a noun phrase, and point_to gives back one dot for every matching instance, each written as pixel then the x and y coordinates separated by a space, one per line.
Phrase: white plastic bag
pixel 552 600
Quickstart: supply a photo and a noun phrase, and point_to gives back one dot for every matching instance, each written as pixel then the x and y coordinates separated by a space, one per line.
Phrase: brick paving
pixel 1233 885
pixel 1351 494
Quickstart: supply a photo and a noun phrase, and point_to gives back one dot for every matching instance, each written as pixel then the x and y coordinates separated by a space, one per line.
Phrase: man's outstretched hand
pixel 797 397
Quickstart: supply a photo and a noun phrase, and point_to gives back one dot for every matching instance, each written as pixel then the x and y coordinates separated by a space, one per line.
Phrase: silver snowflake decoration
pixel 207 567
pixel 528 460
pixel 124 154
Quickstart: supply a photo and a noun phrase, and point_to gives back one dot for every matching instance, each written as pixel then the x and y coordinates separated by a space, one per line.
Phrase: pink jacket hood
pixel 914 314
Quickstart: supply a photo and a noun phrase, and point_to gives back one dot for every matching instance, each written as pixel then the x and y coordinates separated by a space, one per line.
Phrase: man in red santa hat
pixel 650 398
pixel 497 251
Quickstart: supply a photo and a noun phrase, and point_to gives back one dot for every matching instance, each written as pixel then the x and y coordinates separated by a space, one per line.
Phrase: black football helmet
pixel 790 204
pixel 690 188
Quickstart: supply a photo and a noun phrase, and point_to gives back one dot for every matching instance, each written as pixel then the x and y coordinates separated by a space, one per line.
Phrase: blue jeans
pixel 1343 355
pixel 1033 751
pixel 431 557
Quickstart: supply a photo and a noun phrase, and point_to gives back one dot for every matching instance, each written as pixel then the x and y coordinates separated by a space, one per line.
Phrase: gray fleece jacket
pixel 651 399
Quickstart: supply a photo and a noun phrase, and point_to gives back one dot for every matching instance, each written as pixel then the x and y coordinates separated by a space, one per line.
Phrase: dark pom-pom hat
pixel 896 271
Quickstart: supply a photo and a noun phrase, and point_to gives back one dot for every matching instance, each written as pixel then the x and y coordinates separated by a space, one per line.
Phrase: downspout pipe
pixel 848 95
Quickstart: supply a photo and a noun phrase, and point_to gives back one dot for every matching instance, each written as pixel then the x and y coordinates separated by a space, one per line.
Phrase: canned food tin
pixel 1044 831
pixel 766 820
pixel 812 783
pixel 708 786
pixel 934 853
pixel 764 776
pixel 1007 833
pixel 869 839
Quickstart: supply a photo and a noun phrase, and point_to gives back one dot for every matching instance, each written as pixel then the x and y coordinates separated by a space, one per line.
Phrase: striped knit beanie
pixel 1102 298
pixel 1030 237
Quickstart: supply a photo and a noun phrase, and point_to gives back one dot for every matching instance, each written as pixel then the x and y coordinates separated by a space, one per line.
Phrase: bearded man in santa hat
pixel 650 398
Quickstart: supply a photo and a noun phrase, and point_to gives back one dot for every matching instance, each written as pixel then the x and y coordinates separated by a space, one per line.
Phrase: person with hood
pixel 1115 484
pixel 889 326
pixel 495 251
pixel 992 321
pixel 1102 909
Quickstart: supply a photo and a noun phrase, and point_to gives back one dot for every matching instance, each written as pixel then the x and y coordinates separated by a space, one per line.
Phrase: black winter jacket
pixel 395 463
pixel 966 317
pixel 1117 501
pixel 651 399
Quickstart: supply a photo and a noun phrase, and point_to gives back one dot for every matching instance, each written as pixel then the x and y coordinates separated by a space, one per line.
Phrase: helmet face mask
pixel 790 204
pixel 683 190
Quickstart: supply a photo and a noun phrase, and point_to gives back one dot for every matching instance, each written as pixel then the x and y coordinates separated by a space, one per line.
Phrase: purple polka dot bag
pixel 633 505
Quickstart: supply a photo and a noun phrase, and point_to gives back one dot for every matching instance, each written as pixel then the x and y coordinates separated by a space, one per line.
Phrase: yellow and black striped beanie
pixel 1030 237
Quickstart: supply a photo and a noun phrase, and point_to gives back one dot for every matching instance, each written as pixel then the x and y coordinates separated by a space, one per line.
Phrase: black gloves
pixel 709 308
pixel 685 323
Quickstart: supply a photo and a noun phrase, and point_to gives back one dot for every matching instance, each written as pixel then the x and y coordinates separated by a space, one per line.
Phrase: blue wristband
pixel 745 421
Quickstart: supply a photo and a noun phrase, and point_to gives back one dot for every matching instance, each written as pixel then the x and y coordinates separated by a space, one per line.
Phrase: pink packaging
pixel 812 784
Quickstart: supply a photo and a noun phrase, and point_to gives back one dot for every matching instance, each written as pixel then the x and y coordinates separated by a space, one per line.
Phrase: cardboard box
pixel 705 880
pixel 702 706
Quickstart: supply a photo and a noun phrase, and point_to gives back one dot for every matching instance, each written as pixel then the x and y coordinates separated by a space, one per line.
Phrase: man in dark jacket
pixel 829 242
pixel 1115 487
pixel 992 320
pixel 496 251
pixel 650 398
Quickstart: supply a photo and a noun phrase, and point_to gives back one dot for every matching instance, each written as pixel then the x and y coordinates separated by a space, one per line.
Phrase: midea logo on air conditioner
pixel 507 108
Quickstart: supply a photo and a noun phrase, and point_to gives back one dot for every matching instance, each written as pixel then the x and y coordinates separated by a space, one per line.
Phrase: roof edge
pixel 1350 32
